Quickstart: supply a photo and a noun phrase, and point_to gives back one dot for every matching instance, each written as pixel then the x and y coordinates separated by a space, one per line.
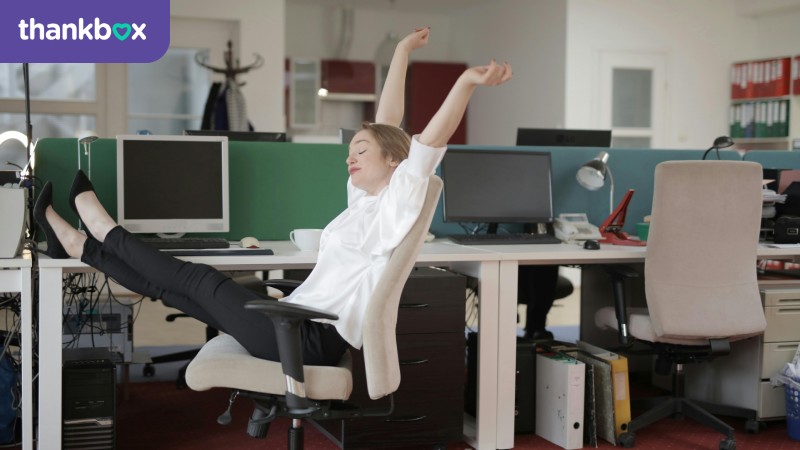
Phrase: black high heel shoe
pixel 54 248
pixel 80 184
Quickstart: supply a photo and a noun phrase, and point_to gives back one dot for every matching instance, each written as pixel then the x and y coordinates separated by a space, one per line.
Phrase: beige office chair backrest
pixel 700 267
pixel 381 362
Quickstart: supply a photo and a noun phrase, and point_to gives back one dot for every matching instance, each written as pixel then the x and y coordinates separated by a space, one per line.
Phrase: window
pixel 632 97
pixel 63 99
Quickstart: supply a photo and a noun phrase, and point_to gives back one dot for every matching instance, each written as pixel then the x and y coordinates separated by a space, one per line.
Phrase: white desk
pixel 474 262
pixel 496 266
pixel 513 256
pixel 15 276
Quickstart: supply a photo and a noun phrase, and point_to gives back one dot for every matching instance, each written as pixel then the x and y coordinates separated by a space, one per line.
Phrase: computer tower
pixel 88 399
pixel 525 387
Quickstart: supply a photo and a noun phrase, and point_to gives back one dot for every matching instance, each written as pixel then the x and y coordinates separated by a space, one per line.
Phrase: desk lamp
pixel 720 142
pixel 592 176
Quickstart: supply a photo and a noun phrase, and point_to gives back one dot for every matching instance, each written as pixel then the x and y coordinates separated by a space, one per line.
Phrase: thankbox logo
pixel 31 30
pixel 96 31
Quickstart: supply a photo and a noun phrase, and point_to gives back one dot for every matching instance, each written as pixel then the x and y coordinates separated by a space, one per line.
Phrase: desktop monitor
pixel 346 135
pixel 507 186
pixel 247 136
pixel 172 184
pixel 545 137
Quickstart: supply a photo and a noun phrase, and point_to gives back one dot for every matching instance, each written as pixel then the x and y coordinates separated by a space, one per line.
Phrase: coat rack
pixel 232 68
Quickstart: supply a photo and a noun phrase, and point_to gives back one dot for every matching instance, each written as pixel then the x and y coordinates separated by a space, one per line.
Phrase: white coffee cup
pixel 306 239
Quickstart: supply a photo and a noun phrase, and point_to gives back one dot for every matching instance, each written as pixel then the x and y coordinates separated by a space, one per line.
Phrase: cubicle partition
pixel 274 187
pixel 630 168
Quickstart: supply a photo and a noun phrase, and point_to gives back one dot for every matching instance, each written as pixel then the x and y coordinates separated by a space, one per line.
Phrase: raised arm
pixel 444 123
pixel 391 105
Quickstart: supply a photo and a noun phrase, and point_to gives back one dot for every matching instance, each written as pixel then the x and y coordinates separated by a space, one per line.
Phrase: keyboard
pixel 186 243
pixel 504 239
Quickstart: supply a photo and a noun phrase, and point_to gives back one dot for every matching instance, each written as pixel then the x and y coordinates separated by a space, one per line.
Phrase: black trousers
pixel 205 294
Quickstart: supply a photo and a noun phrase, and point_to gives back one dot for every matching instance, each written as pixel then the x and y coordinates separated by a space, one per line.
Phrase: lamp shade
pixel 592 175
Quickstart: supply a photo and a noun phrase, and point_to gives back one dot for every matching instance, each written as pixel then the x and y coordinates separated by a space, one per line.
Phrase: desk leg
pixel 506 353
pixel 486 414
pixel 50 312
pixel 26 324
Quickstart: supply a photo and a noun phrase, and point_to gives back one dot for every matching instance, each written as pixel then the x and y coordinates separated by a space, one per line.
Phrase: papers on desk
pixel 770 245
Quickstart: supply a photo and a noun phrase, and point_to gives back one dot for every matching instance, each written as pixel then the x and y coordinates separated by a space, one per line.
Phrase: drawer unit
pixel 429 404
pixel 772 401
pixel 776 355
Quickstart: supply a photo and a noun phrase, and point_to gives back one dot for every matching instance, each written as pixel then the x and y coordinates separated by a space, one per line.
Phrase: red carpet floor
pixel 158 416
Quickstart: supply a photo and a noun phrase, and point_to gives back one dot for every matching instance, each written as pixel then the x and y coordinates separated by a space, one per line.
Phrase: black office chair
pixel 700 282
pixel 539 287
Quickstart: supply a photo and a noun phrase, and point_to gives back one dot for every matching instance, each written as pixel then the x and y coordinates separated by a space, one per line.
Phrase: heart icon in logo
pixel 121 35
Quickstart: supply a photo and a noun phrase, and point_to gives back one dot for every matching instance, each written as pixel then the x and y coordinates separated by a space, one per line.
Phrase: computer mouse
pixel 591 244
pixel 250 242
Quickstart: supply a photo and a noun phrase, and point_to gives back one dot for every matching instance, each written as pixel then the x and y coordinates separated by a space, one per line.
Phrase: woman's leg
pixel 206 294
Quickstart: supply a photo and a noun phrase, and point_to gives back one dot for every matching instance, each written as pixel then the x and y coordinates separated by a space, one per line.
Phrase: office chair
pixel 700 281
pixel 249 281
pixel 288 388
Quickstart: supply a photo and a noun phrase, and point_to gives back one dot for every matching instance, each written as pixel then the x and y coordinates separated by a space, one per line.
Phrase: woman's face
pixel 370 170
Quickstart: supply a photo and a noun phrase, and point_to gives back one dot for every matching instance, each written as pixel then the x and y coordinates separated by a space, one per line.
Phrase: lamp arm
pixel 611 185
pixel 706 153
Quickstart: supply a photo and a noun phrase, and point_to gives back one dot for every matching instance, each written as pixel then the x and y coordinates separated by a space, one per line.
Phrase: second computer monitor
pixel 497 186
pixel 248 136
pixel 547 137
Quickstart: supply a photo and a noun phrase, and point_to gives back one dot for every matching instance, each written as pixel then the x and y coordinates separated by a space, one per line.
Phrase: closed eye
pixel 362 152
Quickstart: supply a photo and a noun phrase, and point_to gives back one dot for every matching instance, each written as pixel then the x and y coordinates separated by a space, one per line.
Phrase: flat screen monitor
pixel 546 137
pixel 346 135
pixel 247 136
pixel 497 186
pixel 172 184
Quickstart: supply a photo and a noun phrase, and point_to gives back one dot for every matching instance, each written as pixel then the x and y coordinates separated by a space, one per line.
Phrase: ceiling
pixel 409 6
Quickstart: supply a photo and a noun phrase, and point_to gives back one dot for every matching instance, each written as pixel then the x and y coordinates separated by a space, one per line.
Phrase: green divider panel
pixel 274 187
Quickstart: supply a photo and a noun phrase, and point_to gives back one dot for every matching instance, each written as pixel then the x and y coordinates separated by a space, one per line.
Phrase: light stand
pixel 720 142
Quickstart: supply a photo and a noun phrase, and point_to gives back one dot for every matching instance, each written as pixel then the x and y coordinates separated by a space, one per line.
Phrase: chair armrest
pixel 287 318
pixel 618 274
pixel 285 286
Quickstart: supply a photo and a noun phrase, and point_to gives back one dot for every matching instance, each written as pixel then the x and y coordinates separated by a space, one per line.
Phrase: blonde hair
pixel 393 141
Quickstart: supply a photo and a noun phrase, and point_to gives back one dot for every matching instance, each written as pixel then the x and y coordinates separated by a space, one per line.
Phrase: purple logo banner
pixel 84 31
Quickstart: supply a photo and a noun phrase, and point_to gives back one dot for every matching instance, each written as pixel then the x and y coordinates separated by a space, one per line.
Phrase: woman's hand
pixel 492 74
pixel 417 39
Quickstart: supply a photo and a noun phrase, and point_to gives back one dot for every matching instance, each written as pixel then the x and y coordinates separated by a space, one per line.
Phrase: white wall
pixel 777 35
pixel 700 39
pixel 529 35
pixel 262 31
pixel 554 45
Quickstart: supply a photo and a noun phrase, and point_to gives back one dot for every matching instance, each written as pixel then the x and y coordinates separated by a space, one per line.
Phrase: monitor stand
pixel 491 228
pixel 611 229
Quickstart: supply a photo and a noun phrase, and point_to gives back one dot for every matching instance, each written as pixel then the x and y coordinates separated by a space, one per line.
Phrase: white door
pixel 632 87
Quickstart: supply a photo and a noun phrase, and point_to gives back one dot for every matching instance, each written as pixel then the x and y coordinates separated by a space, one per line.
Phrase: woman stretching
pixel 388 180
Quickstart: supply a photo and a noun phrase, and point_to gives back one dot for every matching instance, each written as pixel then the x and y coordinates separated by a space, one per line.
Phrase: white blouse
pixel 356 245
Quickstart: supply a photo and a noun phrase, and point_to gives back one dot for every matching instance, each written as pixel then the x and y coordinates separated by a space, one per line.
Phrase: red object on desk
pixel 611 229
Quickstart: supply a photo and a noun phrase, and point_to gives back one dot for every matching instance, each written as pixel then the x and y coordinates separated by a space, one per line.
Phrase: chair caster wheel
pixel 627 440
pixel 148 370
pixel 752 426
pixel 727 444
